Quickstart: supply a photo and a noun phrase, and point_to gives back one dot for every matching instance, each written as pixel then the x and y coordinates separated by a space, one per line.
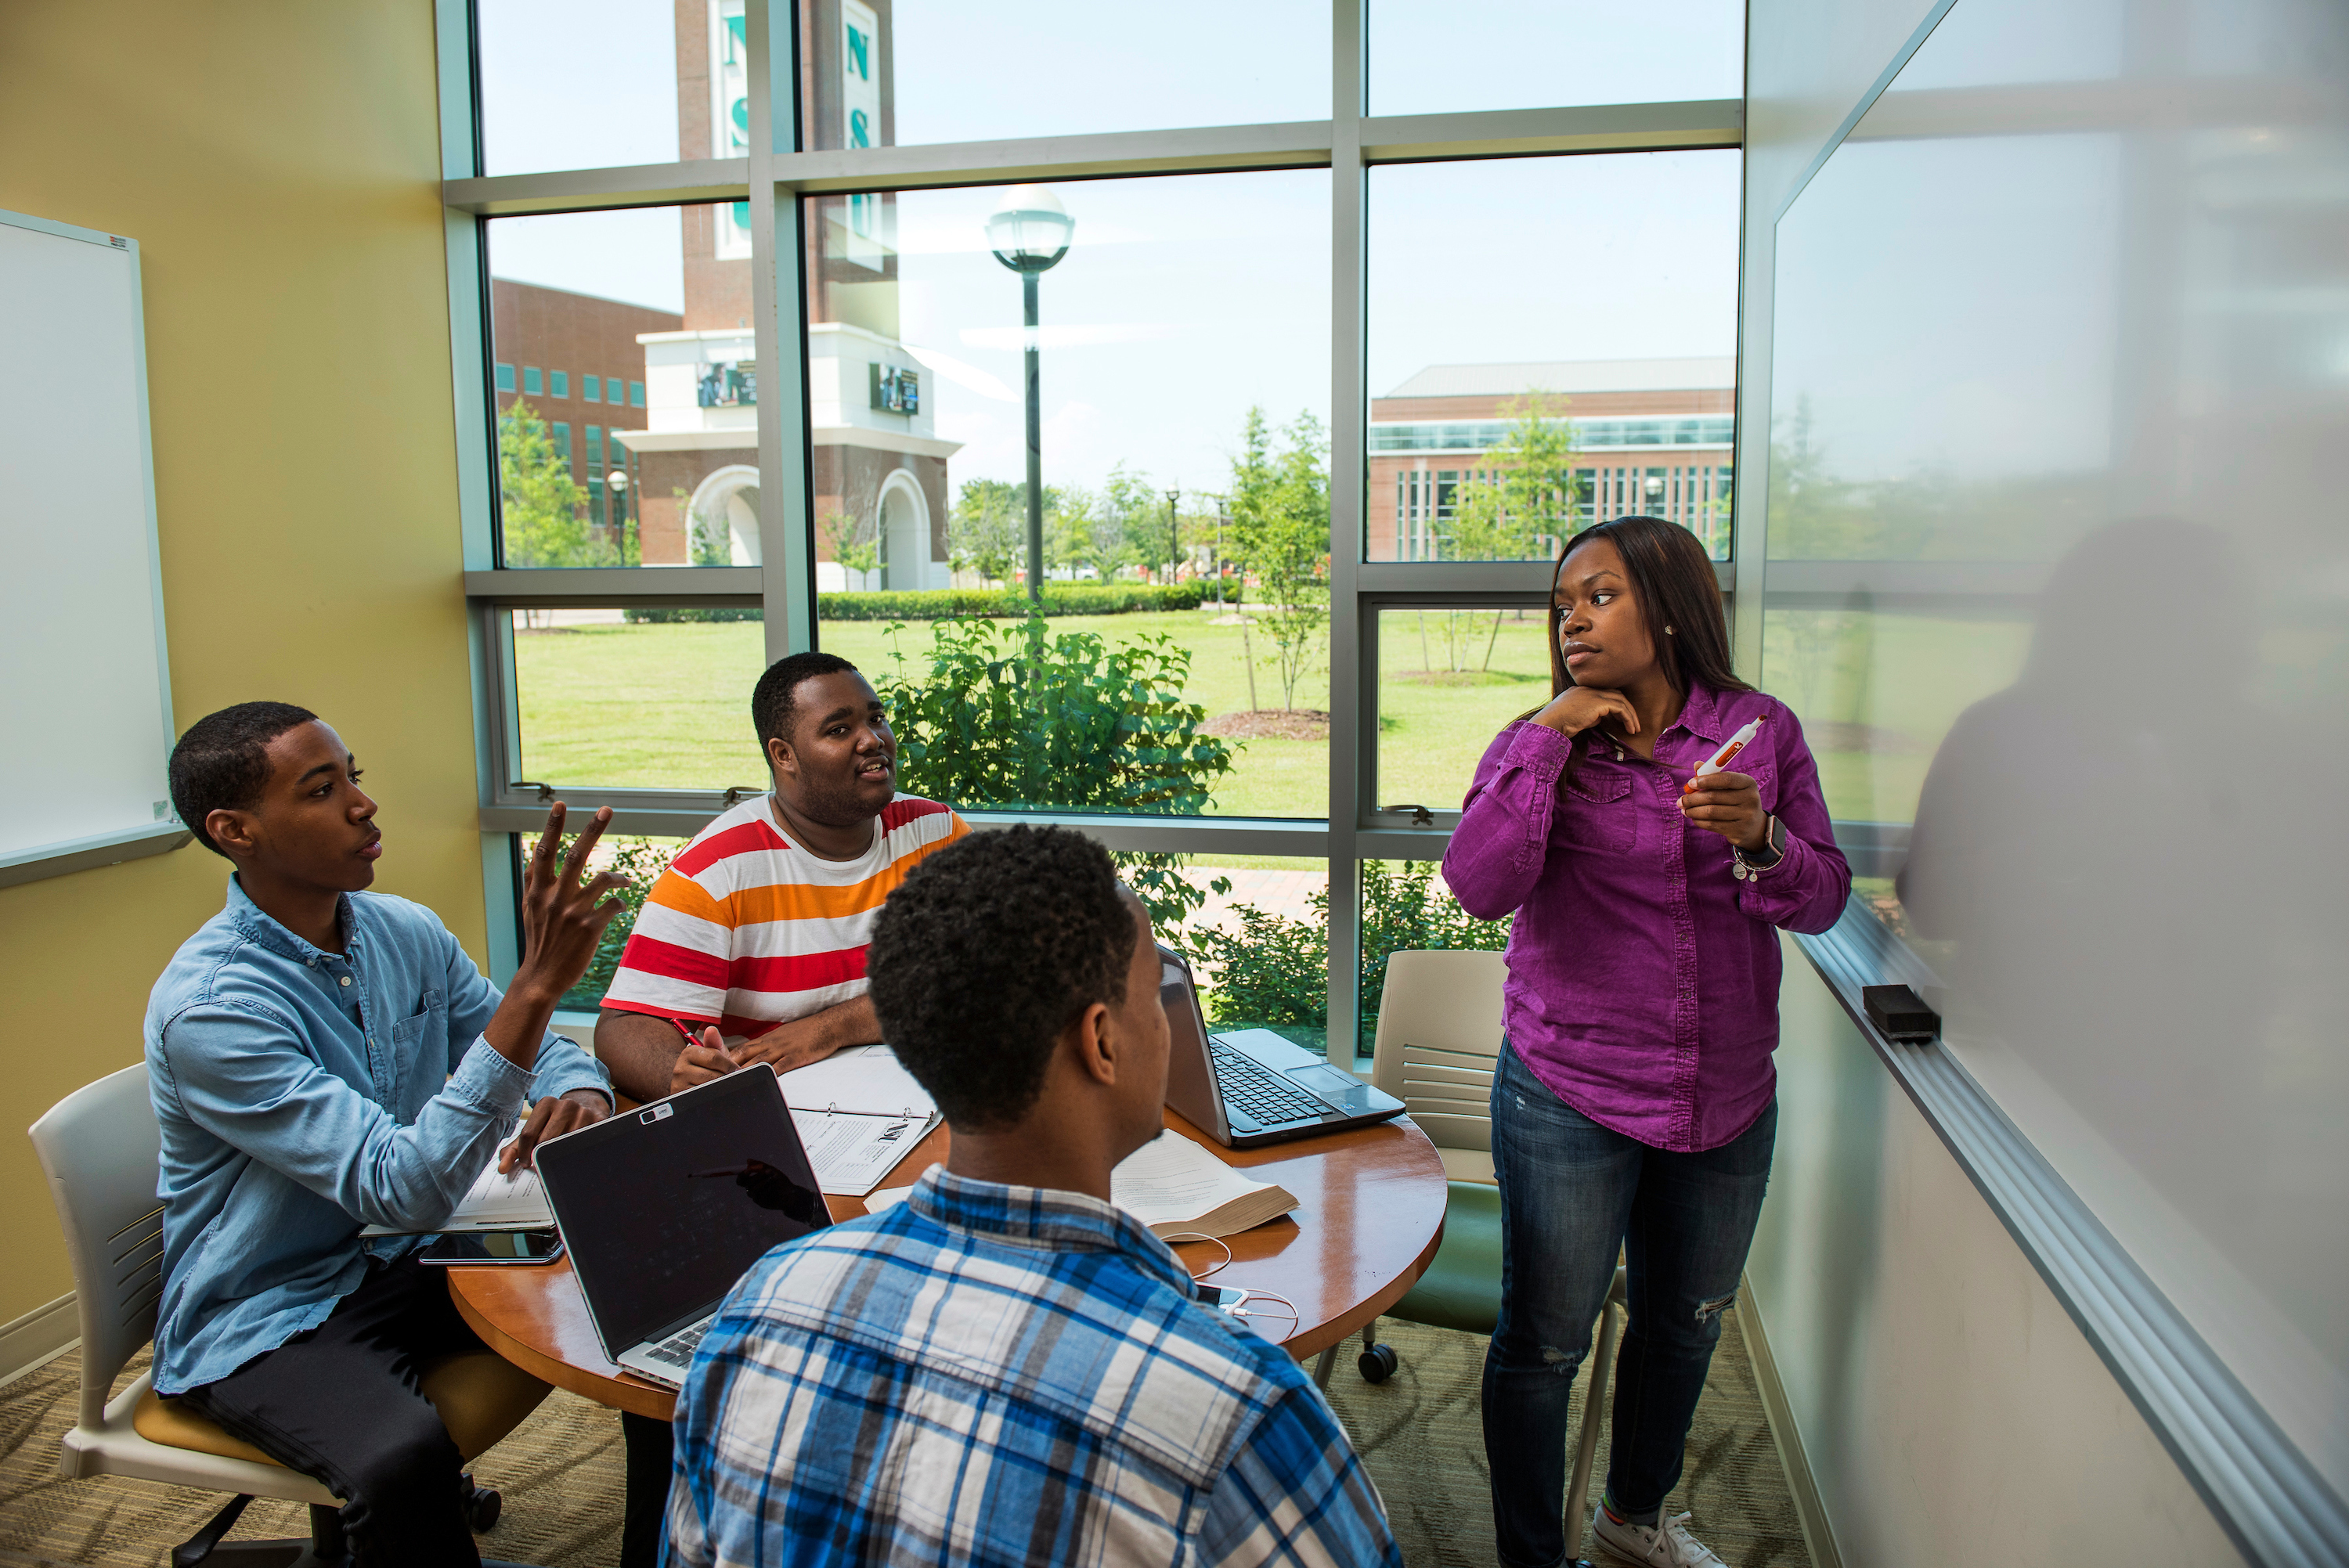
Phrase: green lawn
pixel 669 706
pixel 1435 720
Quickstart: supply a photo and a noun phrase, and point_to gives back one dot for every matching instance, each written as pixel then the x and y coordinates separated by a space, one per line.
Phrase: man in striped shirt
pixel 1006 1369
pixel 750 947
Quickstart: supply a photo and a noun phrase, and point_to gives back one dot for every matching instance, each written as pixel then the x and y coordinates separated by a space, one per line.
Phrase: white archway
pixel 727 499
pixel 905 532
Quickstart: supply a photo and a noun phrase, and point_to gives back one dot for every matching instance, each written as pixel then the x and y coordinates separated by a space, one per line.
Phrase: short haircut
pixel 772 707
pixel 223 761
pixel 986 951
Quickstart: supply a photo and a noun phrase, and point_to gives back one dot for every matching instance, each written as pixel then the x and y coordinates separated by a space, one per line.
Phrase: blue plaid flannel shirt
pixel 1003 1376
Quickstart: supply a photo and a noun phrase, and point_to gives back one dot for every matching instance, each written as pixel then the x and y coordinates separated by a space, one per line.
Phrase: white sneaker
pixel 1663 1544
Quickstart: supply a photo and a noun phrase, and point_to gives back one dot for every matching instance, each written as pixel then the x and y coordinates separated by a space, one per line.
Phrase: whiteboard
pixel 86 709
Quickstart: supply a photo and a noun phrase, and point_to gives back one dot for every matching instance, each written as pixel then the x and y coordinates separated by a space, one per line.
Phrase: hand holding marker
pixel 1721 759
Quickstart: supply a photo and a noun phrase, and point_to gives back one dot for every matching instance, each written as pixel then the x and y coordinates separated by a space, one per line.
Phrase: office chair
pixel 99 1149
pixel 1439 1040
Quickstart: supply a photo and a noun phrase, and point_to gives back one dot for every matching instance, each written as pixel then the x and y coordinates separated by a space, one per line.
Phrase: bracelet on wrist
pixel 1772 846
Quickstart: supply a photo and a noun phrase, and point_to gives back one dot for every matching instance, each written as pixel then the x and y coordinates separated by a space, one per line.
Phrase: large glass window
pixel 1552 343
pixel 1176 687
pixel 584 84
pixel 1182 352
pixel 1448 680
pixel 886 72
pixel 652 697
pixel 1530 54
pixel 652 295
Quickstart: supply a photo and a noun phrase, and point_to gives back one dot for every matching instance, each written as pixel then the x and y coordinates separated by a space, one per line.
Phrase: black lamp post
pixel 1029 235
pixel 616 480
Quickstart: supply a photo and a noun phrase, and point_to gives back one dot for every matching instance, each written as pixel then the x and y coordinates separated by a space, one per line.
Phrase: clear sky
pixel 1184 300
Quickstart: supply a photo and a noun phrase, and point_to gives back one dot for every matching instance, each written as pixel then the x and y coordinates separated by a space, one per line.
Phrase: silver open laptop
pixel 1250 1087
pixel 664 1207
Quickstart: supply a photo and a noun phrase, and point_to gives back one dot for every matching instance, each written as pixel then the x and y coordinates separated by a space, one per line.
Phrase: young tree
pixel 544 510
pixel 1136 514
pixel 1520 505
pixel 1280 529
pixel 1073 534
pixel 862 556
pixel 709 542
pixel 986 532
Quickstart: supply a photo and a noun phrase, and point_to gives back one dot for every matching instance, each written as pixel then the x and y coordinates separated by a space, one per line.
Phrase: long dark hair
pixel 1673 582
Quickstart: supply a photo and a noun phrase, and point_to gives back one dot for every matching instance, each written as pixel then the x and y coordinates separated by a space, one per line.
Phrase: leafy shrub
pixel 641 861
pixel 1000 713
pixel 1011 714
pixel 1277 970
pixel 1059 599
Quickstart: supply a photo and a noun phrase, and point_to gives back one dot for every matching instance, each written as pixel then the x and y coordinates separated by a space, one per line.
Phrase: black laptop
pixel 664 1208
pixel 1250 1087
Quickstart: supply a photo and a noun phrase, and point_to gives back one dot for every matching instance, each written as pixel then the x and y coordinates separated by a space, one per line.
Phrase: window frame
pixel 773 179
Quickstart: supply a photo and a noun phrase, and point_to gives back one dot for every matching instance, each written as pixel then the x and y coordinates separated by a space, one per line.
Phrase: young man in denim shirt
pixel 323 1059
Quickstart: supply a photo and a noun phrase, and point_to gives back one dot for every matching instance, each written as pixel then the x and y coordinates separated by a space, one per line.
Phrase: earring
pixel 1668 631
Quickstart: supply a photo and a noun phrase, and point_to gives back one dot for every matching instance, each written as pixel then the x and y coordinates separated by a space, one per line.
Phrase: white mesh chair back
pixel 1439 1039
pixel 99 1149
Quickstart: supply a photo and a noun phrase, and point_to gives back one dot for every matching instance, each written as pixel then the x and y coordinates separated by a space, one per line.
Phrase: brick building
pixel 1655 437
pixel 575 359
pixel 878 470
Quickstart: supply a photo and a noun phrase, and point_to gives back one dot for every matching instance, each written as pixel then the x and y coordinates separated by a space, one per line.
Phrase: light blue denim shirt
pixel 303 1094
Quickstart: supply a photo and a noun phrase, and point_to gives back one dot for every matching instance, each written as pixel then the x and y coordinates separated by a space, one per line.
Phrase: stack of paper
pixel 1172 1185
pixel 859 1112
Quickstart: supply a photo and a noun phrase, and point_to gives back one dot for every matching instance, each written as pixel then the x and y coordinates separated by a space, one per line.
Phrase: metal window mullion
pixel 777 258
pixel 1198 150
pixel 589 586
pixel 1348 471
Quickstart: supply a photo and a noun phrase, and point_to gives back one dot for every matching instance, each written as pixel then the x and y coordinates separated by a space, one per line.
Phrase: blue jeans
pixel 1572 1192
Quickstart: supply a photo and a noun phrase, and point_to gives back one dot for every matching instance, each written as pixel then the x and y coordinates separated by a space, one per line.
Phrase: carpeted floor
pixel 1421 1436
pixel 560 1471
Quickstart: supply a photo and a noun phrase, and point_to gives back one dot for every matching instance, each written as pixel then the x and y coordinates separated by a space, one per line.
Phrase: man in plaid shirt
pixel 1005 1369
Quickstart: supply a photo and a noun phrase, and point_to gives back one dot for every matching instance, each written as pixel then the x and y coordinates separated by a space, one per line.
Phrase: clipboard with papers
pixel 858 1112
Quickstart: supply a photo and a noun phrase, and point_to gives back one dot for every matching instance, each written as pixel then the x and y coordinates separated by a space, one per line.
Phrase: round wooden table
pixel 1369 1214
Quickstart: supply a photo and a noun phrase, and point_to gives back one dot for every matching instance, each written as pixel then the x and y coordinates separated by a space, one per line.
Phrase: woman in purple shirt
pixel 1634 1105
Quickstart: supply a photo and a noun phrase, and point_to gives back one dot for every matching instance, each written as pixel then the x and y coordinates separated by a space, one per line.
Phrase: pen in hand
pixel 1721 759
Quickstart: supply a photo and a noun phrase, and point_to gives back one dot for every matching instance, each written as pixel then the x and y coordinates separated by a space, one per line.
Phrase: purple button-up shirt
pixel 1643 975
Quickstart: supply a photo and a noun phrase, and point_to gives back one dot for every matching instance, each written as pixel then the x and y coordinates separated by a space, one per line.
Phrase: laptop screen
pixel 1190 1076
pixel 665 1207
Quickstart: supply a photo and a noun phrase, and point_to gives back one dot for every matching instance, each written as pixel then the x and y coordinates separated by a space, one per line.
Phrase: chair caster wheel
pixel 483 1506
pixel 1378 1363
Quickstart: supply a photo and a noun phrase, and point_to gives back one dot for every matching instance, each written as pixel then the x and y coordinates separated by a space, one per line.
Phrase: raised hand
pixel 563 919
pixel 564 916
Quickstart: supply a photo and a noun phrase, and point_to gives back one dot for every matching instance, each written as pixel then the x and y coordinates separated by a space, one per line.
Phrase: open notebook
pixel 494 1203
pixel 1176 1188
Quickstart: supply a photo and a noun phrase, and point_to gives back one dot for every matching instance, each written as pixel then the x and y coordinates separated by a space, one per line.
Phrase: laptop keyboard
pixel 676 1350
pixel 1249 1085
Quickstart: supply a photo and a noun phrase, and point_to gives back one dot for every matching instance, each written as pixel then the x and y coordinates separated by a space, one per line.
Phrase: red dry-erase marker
pixel 1720 759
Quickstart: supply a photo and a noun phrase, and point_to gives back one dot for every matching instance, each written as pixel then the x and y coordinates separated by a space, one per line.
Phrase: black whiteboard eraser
pixel 1896 1010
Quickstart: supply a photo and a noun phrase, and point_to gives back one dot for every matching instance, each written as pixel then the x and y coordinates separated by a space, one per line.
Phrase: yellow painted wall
pixel 278 163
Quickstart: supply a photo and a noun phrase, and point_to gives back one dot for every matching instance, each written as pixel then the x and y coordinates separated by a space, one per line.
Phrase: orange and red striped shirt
pixel 747 929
